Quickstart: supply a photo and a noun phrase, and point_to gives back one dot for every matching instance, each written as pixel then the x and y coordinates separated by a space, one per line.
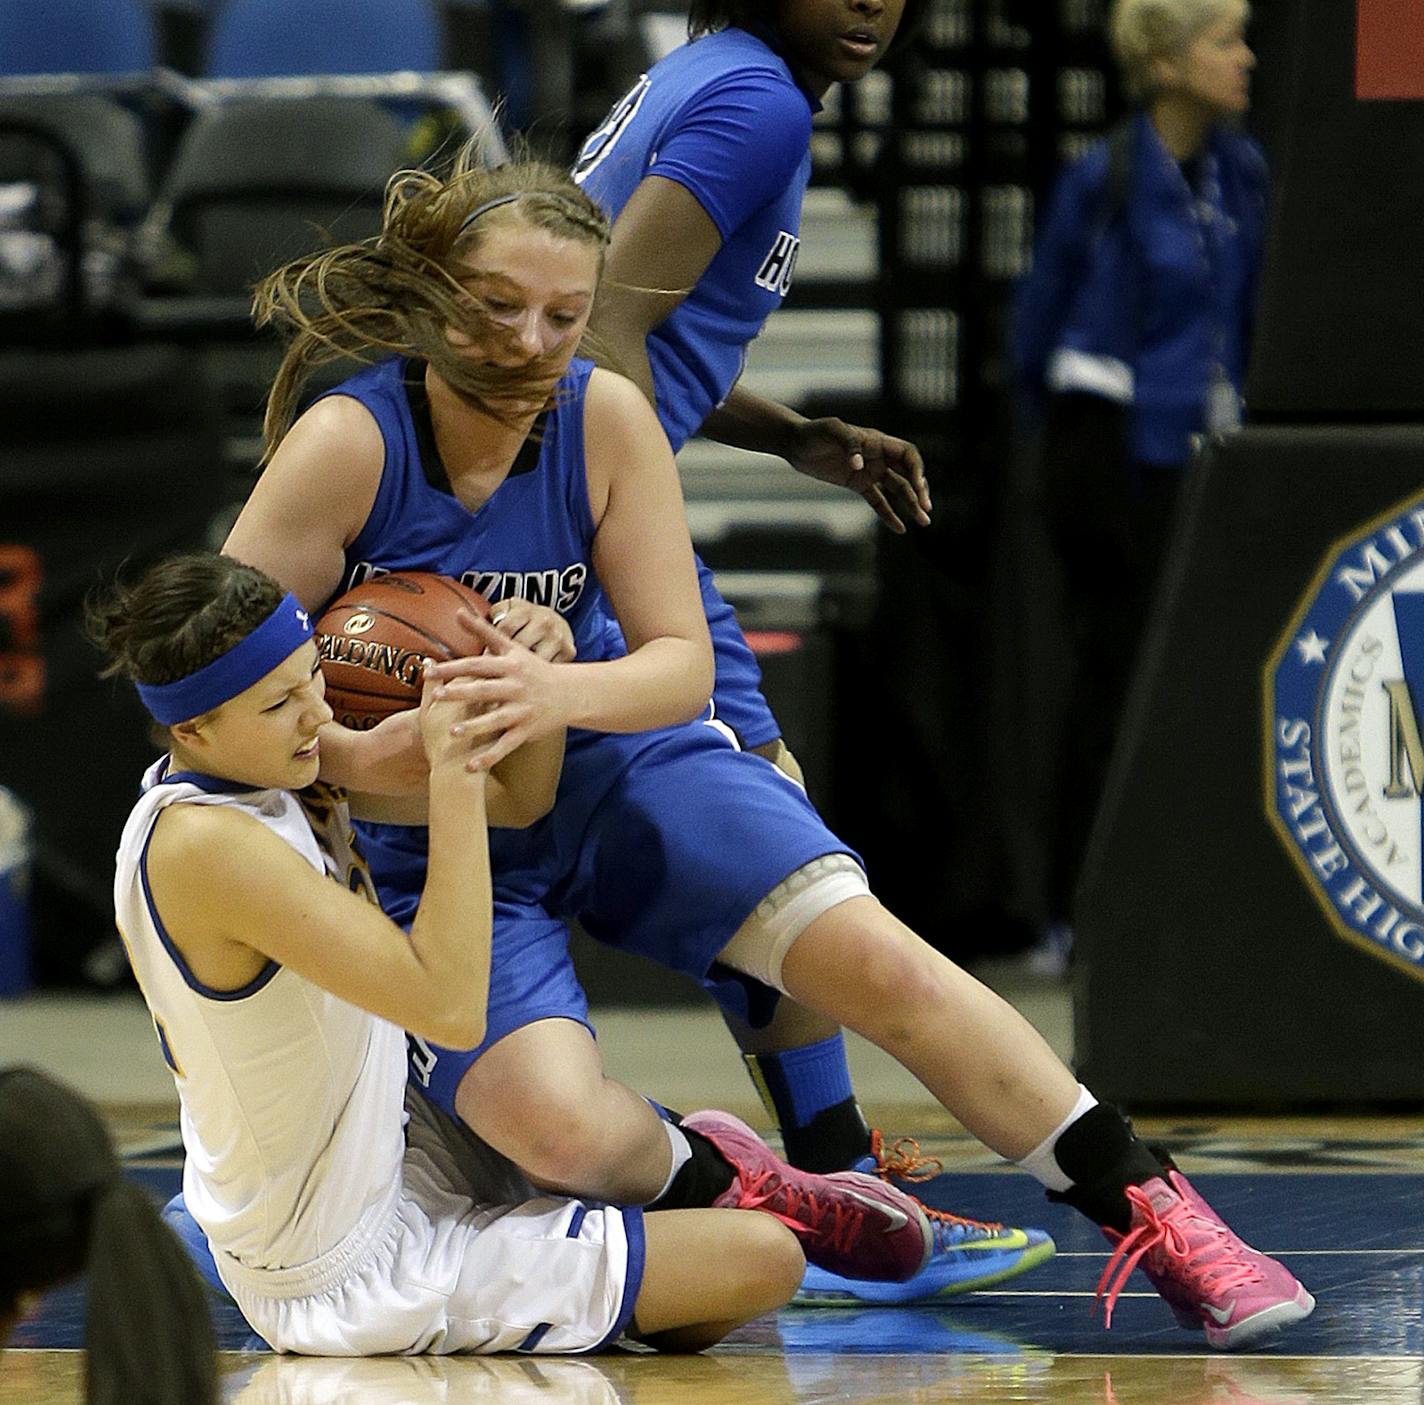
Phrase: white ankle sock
pixel 681 1154
pixel 1040 1163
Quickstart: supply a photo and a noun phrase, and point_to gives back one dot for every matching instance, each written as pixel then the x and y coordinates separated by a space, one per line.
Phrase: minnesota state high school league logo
pixel 1344 700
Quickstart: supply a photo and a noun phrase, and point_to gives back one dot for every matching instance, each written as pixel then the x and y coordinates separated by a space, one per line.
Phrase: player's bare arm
pixel 519 790
pixel 642 554
pixel 309 504
pixel 312 500
pixel 887 472
pixel 663 241
pixel 233 895
pixel 661 245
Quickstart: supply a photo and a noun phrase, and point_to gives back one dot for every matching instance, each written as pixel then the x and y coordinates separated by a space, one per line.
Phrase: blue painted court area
pixel 1355 1240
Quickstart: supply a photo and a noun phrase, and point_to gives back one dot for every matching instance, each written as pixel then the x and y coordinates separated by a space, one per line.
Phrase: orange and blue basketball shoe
pixel 1205 1272
pixel 847 1222
pixel 967 1254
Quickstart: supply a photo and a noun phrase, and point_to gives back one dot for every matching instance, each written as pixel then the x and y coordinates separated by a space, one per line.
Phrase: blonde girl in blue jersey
pixel 687 848
pixel 281 992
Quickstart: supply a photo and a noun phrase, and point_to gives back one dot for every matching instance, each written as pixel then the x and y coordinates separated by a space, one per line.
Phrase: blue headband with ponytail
pixel 285 630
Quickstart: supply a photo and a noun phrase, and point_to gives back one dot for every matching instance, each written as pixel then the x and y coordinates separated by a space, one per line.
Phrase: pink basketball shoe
pixel 848 1222
pixel 1207 1275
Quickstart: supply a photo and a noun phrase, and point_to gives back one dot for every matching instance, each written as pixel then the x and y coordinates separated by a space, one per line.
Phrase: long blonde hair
pixel 402 291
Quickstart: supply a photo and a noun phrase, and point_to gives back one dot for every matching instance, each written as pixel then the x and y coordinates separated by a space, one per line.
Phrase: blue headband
pixel 284 631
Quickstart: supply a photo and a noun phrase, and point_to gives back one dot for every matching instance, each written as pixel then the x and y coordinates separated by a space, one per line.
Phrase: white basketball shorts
pixel 431 1269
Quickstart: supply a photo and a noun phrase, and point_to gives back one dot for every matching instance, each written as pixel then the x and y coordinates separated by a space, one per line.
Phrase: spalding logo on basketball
pixel 372 639
pixel 1345 752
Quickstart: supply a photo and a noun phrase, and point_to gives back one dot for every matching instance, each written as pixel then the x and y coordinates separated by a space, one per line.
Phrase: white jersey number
pixel 601 140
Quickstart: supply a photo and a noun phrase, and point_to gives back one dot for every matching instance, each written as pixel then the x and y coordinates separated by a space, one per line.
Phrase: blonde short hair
pixel 1142 31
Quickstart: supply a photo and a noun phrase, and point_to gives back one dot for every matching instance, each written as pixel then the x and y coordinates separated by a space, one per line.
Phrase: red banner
pixel 1389 50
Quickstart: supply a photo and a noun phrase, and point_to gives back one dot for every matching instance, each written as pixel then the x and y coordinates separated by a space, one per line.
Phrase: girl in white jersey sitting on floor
pixel 281 992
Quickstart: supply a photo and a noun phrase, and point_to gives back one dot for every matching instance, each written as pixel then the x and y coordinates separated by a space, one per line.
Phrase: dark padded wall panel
pixel 107 457
pixel 1339 332
pixel 1207 971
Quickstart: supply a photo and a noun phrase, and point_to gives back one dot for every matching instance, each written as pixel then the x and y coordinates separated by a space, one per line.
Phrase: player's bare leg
pixel 798 1065
pixel 589 1135
pixel 993 1071
pixel 540 1098
pixel 709 1271
pixel 972 1050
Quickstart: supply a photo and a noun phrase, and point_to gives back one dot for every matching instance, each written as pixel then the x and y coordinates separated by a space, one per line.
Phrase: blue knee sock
pixel 807 1092
pixel 178 1218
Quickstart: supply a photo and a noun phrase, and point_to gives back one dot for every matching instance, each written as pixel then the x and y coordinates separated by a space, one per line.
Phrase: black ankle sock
pixel 1101 1155
pixel 830 1141
pixel 699 1180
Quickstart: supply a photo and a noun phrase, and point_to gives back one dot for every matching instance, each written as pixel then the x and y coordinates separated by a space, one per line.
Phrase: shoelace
pixel 845 1220
pixel 903 1160
pixel 906 1162
pixel 1167 1230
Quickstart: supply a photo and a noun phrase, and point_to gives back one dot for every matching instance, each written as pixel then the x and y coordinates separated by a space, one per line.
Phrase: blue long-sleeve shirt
pixel 1144 306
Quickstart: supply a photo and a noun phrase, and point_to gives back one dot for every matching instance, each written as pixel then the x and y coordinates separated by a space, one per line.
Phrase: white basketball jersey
pixel 291 1098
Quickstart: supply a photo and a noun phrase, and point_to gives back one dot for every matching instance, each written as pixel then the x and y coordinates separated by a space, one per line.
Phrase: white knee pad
pixel 760 945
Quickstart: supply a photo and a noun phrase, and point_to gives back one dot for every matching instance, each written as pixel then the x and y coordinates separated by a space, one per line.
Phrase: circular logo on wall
pixel 1344 697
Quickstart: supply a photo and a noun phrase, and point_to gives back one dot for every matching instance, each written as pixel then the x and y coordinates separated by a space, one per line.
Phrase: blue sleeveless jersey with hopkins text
pixel 532 538
pixel 724 117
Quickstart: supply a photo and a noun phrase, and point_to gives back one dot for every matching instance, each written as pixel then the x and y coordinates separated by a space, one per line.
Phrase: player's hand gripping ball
pixel 372 639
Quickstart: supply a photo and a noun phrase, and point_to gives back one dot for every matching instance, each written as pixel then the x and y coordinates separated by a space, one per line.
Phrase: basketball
pixel 371 641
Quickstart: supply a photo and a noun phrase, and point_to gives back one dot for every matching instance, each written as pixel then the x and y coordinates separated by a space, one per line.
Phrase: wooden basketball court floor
pixel 1341 1200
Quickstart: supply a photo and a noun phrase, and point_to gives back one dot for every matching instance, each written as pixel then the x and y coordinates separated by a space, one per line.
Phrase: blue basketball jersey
pixel 532 538
pixel 709 831
pixel 725 117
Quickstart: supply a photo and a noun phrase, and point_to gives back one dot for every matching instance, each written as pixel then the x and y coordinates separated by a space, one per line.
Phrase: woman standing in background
pixel 1131 336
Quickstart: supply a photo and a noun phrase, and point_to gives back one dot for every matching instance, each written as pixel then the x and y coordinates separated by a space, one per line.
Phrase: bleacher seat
pixel 258 182
pixel 106 137
pixel 273 38
pixel 74 184
pixel 76 36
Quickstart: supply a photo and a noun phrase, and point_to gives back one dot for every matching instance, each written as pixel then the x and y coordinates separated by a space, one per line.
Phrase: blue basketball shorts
pixel 736 690
pixel 661 844
pixel 685 841
pixel 531 972
pixel 531 978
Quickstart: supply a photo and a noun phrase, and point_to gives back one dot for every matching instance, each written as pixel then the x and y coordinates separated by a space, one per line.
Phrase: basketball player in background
pixel 66 1210
pixel 702 167
pixel 281 992
pixel 674 842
